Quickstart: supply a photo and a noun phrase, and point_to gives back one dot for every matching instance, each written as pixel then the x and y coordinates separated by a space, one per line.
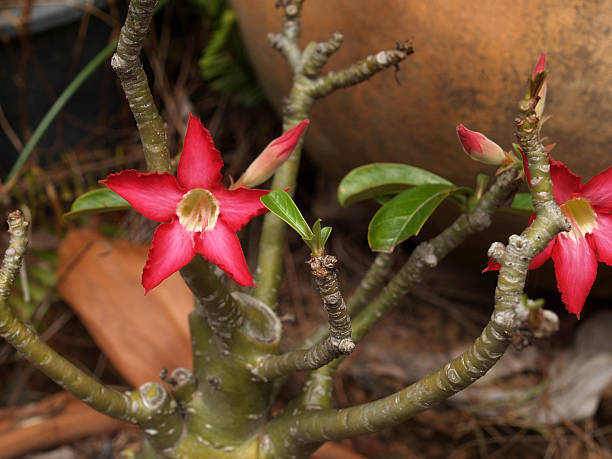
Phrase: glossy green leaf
pixel 95 202
pixel 405 214
pixel 522 203
pixel 320 235
pixel 385 198
pixel 325 232
pixel 280 204
pixel 379 179
pixel 316 228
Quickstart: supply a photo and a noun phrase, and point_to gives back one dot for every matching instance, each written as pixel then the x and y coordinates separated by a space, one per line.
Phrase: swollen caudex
pixel 198 210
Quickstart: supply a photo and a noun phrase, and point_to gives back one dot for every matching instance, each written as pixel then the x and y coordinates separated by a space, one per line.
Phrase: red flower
pixel 202 216
pixel 575 253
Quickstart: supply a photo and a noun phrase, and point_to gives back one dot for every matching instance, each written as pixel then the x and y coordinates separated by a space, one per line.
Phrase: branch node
pixel 497 251
pixel 153 395
pixel 346 346
pixel 426 253
pixel 183 384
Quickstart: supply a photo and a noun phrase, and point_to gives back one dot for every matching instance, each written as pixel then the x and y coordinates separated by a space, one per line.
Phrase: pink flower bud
pixel 273 156
pixel 480 148
pixel 539 68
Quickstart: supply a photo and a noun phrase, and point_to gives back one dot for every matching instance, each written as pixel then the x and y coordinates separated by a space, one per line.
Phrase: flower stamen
pixel 198 210
pixel 581 216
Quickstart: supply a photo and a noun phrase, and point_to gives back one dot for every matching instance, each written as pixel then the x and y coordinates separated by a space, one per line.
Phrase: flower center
pixel 198 210
pixel 581 215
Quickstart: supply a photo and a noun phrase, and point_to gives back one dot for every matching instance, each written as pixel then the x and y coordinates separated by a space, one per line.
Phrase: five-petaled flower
pixel 197 214
pixel 575 253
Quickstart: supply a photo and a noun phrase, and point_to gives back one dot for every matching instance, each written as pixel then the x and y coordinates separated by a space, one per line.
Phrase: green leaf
pixel 325 232
pixel 405 215
pixel 379 179
pixel 280 204
pixel 522 203
pixel 385 198
pixel 95 202
pixel 316 228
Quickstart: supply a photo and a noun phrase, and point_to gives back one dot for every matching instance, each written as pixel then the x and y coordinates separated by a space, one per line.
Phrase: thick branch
pixel 287 48
pixel 274 366
pixel 426 255
pixel 313 427
pixel 338 342
pixel 359 71
pixel 126 63
pixel 213 301
pixel 324 271
pixel 316 55
pixel 13 257
pixel 372 281
pixel 136 407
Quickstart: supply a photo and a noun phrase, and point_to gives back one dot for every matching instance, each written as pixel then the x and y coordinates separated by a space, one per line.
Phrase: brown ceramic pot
pixel 471 62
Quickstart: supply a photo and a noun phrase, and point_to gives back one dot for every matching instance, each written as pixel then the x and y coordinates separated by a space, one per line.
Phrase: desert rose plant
pixel 221 408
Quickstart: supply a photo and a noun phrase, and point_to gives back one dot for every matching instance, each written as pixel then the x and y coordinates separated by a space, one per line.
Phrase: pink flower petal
pixel 598 190
pixel 543 256
pixel 575 269
pixel 492 265
pixel 538 260
pixel 153 195
pixel 526 168
pixel 238 206
pixel 565 182
pixel 283 146
pixel 200 164
pixel 171 249
pixel 601 238
pixel 222 247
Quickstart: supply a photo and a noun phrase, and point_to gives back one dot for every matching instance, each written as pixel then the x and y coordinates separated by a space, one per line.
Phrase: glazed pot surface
pixel 471 63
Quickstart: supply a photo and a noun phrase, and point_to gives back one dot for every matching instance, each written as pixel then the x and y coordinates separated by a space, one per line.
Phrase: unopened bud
pixel 540 68
pixel 271 158
pixel 480 148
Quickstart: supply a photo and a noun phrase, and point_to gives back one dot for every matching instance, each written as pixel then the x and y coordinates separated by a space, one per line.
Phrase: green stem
pixel 360 71
pixel 213 301
pixel 311 427
pixel 307 87
pixel 146 407
pixel 426 255
pixel 126 63
pixel 372 281
pixel 339 342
